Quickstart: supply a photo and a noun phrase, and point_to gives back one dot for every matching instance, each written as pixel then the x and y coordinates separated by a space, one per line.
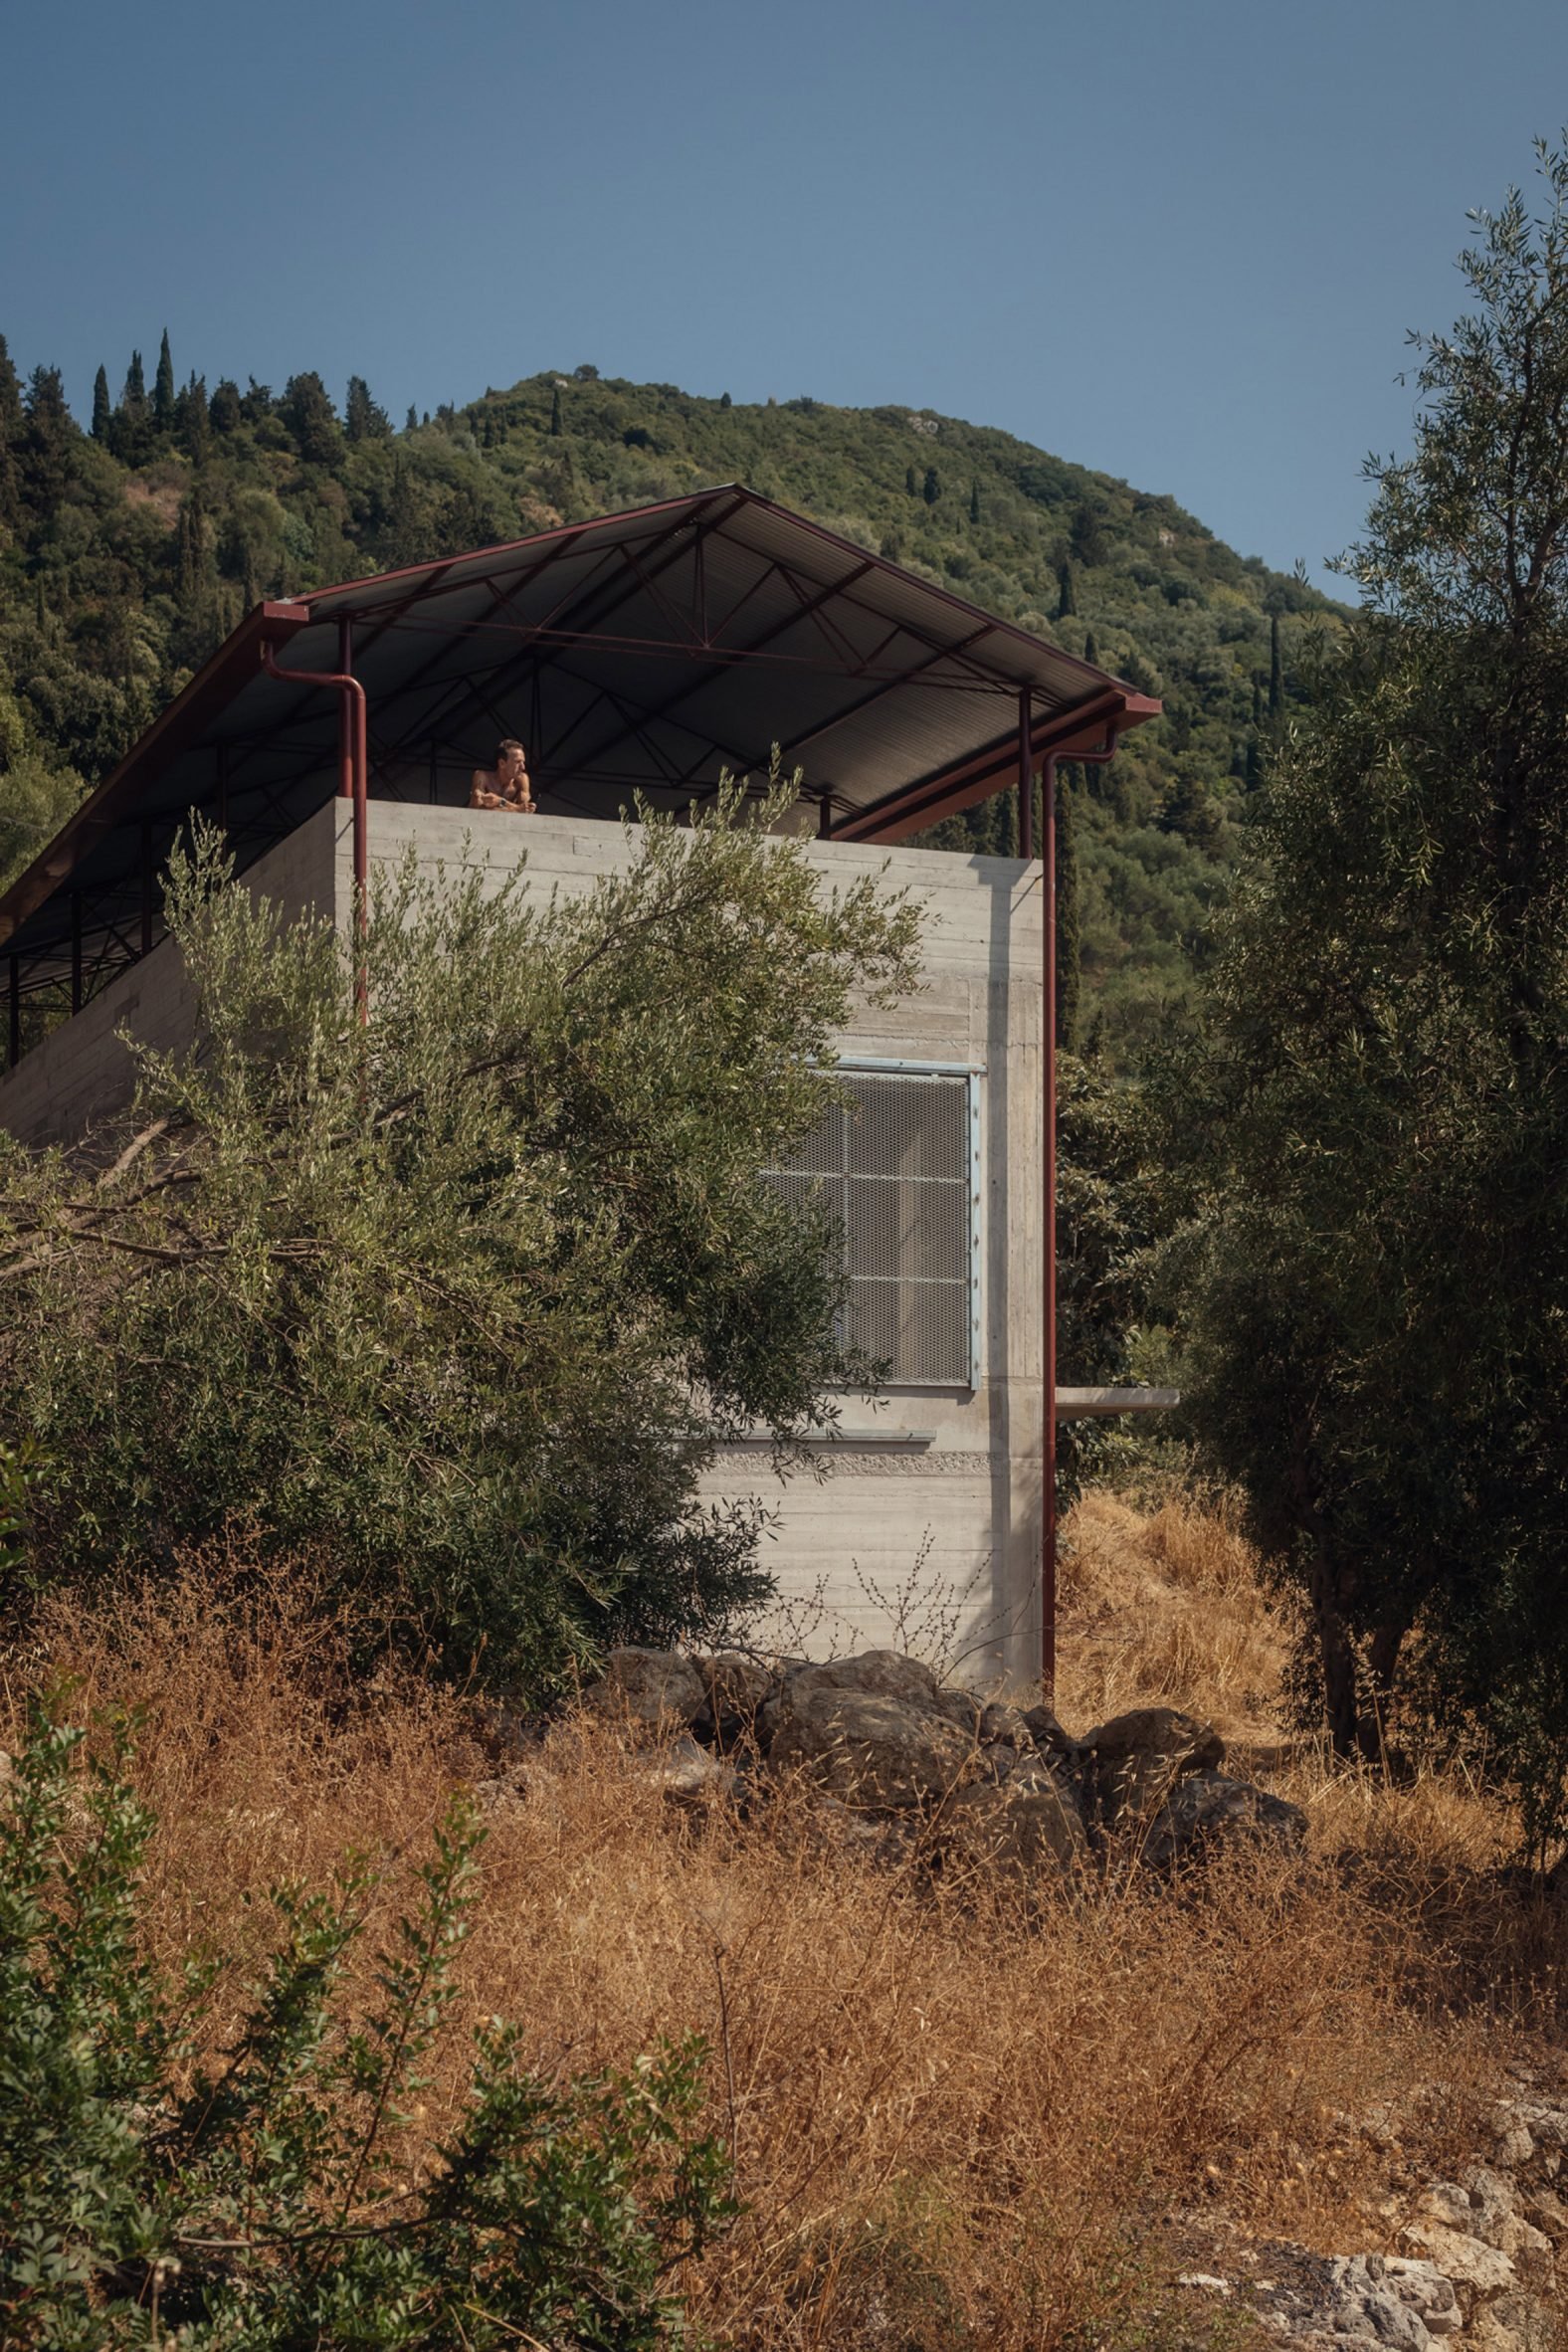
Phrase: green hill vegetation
pixel 130 548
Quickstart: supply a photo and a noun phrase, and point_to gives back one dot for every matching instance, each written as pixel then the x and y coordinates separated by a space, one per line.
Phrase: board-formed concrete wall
pixel 921 1525
pixel 83 1072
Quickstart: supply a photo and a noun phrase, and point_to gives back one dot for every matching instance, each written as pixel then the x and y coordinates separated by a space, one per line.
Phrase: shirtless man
pixel 507 785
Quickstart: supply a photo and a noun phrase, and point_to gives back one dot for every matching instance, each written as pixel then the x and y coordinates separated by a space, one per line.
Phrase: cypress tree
pixel 912 481
pixel 1275 670
pixel 1088 538
pixel 192 425
pixel 557 428
pixel 130 435
pixel 11 421
pixel 102 406
pixel 46 444
pixel 725 400
pixel 411 421
pixel 933 486
pixel 312 420
pixel 1067 603
pixel 192 561
pixel 1069 923
pixel 974 502
pixel 224 412
pixel 133 398
pixel 363 418
pixel 163 390
pixel 1090 648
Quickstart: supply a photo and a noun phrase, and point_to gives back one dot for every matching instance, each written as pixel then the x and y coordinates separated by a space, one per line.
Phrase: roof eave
pixel 1089 729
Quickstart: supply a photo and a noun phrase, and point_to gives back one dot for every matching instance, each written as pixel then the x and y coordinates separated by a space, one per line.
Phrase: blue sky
pixel 1180 241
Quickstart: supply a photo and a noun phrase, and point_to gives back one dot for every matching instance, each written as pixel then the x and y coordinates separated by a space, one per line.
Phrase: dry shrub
pixel 1168 1610
pixel 958 2115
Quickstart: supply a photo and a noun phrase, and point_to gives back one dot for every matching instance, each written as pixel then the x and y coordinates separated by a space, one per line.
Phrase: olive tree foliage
pixel 463 1300
pixel 1376 1264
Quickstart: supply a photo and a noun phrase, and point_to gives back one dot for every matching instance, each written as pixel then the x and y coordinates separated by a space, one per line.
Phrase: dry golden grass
pixel 956 2117
pixel 1167 1611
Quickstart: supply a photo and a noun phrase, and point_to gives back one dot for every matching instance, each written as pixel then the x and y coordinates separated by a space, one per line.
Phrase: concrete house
pixel 643 652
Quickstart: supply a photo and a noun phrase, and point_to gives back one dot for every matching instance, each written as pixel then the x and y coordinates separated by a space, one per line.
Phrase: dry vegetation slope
pixel 957 2118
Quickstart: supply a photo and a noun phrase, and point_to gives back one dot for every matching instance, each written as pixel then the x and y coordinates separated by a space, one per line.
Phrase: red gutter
pixel 1087 730
pixel 354 775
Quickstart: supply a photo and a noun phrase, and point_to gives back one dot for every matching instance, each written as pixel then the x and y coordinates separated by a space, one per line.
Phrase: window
pixel 897 1166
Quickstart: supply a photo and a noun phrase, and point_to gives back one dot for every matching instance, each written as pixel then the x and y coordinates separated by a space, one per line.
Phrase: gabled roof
pixel 639 651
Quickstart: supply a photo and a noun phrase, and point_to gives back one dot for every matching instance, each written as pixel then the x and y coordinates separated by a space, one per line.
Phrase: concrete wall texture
pixel 921 1526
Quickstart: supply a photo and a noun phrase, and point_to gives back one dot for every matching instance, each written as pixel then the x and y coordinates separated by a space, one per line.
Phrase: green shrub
pixel 269 2201
pixel 463 1303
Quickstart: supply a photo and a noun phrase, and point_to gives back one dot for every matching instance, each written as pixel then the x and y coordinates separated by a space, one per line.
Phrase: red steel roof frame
pixel 1086 726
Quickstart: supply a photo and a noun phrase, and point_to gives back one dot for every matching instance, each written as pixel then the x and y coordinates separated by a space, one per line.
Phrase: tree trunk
pixel 1382 1666
pixel 1340 1693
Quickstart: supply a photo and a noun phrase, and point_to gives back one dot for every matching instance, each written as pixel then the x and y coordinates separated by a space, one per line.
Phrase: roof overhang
pixel 640 653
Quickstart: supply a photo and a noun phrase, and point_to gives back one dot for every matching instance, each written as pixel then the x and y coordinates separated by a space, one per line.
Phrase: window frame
pixel 877 1065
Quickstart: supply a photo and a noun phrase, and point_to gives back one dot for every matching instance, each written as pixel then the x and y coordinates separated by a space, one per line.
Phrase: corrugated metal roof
pixel 640 652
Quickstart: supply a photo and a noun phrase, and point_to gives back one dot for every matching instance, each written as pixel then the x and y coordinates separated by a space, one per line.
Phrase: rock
pixel 1533 2120
pixel 879 1674
pixel 1551 2214
pixel 1205 1811
pixel 1516 2323
pixel 1363 2302
pixel 962 1709
pixel 1490 2200
pixel 868 1730
pixel 1446 2203
pixel 1003 1727
pixel 1515 2140
pixel 1159 1731
pixel 1530 2252
pixel 1048 1734
pixel 653 1690
pixel 734 1687
pixel 689 1773
pixel 1428 2291
pixel 1137 1759
pixel 1204 2281
pixel 1469 2261
pixel 1024 1824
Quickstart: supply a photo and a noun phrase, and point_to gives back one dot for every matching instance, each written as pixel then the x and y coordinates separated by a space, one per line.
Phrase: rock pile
pixel 1477 2270
pixel 894 1751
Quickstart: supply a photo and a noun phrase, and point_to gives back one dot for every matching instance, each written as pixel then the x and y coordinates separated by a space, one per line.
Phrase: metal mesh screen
pixel 891 1166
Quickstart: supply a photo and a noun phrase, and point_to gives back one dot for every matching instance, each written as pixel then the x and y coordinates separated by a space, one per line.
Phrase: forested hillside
pixel 131 546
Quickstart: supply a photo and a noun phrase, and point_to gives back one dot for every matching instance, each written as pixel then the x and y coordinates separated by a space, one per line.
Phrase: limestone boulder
pixel 688 1773
pixel 734 1687
pixel 1049 1736
pixel 1133 1762
pixel 1027 1823
pixel 1366 2305
pixel 868 1731
pixel 1205 1813
pixel 1468 2261
pixel 651 1691
pixel 1428 2291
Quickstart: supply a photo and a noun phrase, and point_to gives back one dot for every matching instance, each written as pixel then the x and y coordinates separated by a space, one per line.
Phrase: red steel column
pixel 1047 1442
pixel 1025 777
pixel 353 771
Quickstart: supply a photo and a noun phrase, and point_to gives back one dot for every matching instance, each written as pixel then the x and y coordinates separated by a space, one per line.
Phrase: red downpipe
pixel 1048 1498
pixel 353 766
pixel 1047 1442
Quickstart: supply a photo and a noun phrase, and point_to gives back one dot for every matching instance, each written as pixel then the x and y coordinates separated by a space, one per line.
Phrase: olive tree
pixel 1375 1265
pixel 463 1300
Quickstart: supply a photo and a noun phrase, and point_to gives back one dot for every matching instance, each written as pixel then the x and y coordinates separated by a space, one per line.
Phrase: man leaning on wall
pixel 506 785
